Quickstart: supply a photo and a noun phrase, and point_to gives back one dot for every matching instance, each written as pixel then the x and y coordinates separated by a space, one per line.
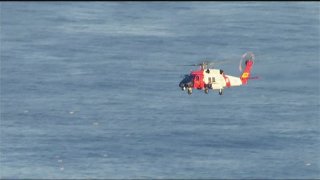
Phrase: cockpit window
pixel 187 78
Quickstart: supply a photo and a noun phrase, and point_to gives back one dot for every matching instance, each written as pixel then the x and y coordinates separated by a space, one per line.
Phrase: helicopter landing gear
pixel 220 91
pixel 189 91
pixel 206 90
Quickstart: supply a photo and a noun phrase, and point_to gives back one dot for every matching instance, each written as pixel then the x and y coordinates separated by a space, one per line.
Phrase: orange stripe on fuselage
pixel 198 79
pixel 228 84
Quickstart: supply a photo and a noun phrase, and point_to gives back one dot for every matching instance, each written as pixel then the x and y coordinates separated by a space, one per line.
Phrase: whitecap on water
pixel 95 123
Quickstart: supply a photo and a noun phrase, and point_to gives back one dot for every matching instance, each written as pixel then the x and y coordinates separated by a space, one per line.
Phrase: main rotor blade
pixel 210 63
pixel 190 65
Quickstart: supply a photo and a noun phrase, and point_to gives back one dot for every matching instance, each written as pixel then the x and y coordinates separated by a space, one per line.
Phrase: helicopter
pixel 209 78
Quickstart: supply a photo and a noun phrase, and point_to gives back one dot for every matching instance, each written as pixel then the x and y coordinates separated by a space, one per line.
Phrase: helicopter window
pixel 190 77
pixel 213 79
pixel 209 79
pixel 187 78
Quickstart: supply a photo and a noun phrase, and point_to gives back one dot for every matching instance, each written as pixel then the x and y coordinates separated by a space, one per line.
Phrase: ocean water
pixel 90 90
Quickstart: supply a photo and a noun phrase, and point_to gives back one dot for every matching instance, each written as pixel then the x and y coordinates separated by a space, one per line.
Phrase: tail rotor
pixel 245 58
pixel 248 60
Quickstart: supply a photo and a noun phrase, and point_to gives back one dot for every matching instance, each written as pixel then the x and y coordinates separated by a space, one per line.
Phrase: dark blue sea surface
pixel 90 90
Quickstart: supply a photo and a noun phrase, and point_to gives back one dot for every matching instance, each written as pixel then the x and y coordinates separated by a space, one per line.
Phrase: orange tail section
pixel 246 73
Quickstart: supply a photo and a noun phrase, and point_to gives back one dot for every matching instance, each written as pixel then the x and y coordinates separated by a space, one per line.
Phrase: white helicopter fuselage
pixel 219 80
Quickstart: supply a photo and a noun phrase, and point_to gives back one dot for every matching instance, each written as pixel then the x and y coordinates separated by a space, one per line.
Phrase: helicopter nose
pixel 182 86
